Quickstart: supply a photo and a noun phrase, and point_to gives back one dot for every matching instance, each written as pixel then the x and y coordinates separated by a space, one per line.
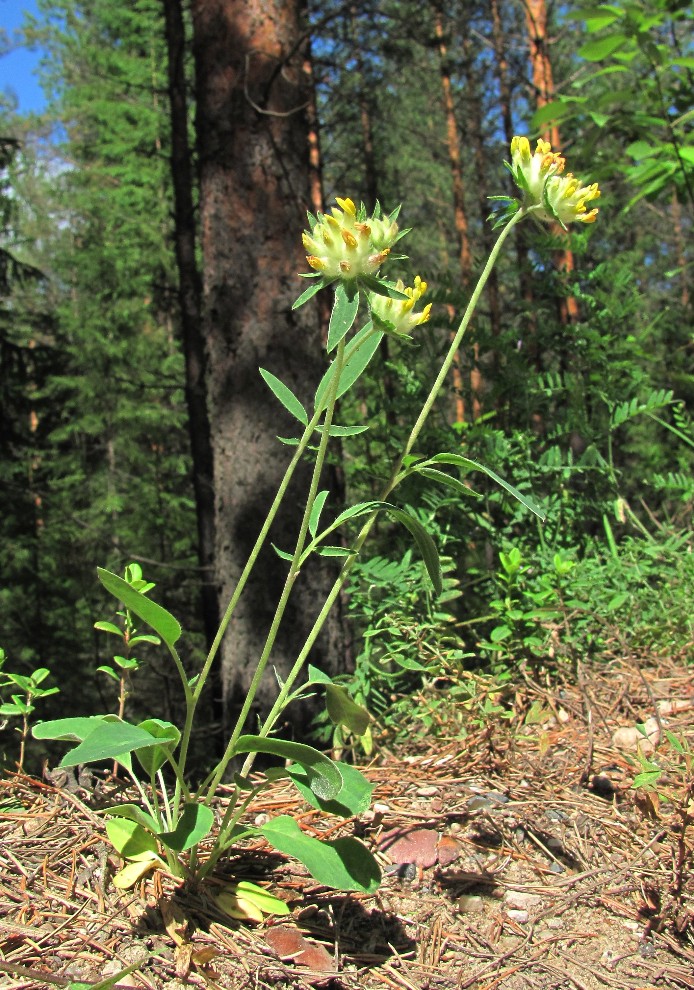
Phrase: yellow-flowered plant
pixel 174 825
pixel 397 316
pixel 548 195
pixel 345 244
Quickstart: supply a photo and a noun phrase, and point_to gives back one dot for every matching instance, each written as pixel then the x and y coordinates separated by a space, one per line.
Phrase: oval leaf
pixel 345 864
pixel 193 825
pixel 354 797
pixel 131 840
pixel 108 741
pixel 325 777
pixel 154 615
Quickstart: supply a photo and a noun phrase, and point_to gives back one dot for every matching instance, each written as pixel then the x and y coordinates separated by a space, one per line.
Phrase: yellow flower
pixel 397 316
pixel 548 194
pixel 346 244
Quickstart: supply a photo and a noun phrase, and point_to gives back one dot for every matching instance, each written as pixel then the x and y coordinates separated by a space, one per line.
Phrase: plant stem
pixel 390 485
pixel 294 568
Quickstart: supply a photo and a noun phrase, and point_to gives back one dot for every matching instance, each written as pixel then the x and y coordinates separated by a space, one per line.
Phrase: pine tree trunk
pixel 252 94
pixel 502 74
pixel 543 84
pixel 459 211
pixel 190 306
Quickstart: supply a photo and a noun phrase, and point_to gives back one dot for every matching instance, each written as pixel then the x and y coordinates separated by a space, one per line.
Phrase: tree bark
pixel 543 85
pixel 459 211
pixel 190 307
pixel 502 74
pixel 252 95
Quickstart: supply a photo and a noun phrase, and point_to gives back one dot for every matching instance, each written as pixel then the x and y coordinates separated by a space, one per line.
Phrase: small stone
pixel 498 797
pixel 480 803
pixel 417 846
pixel 555 815
pixel 520 917
pixel 470 904
pixel 428 791
pixel 554 923
pixel 520 900
pixel 447 850
pixel 556 867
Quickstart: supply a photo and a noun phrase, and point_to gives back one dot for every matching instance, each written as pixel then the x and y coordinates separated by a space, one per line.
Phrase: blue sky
pixel 17 68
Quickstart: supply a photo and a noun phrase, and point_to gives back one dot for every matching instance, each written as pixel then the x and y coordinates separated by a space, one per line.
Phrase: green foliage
pixel 24 690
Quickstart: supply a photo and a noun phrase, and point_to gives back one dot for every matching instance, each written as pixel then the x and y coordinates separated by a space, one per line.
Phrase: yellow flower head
pixel 550 196
pixel 397 315
pixel 346 244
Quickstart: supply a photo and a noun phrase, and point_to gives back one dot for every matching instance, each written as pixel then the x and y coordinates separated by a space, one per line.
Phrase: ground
pixel 517 857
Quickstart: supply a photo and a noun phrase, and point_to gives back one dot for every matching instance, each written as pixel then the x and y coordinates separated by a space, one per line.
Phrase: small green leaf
pixel 285 396
pixel 362 348
pixel 326 779
pixel 316 510
pixel 310 292
pixel 647 779
pixel 194 824
pixel 343 431
pixel 343 315
pixel 426 545
pixel 345 864
pixel 329 551
pixel 109 627
pixel 343 710
pixel 601 48
pixel 154 615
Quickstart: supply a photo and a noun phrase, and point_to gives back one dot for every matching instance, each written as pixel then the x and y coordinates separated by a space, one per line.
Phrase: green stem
pixel 390 485
pixel 294 568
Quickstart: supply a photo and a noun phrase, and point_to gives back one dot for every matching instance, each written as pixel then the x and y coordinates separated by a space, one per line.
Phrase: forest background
pixel 136 259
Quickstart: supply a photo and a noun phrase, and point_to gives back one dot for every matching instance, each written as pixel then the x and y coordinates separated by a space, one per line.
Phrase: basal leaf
pixel 354 797
pixel 131 840
pixel 107 741
pixel 344 864
pixel 325 777
pixel 193 826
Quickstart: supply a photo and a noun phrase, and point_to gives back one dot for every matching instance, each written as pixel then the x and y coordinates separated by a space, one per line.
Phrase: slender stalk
pixel 390 484
pixel 294 568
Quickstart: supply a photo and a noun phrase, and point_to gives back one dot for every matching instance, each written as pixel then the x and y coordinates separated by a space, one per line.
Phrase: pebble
pixel 470 904
pixel 555 815
pixel 554 923
pixel 520 900
pixel 428 791
pixel 486 802
pixel 556 867
pixel 521 917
